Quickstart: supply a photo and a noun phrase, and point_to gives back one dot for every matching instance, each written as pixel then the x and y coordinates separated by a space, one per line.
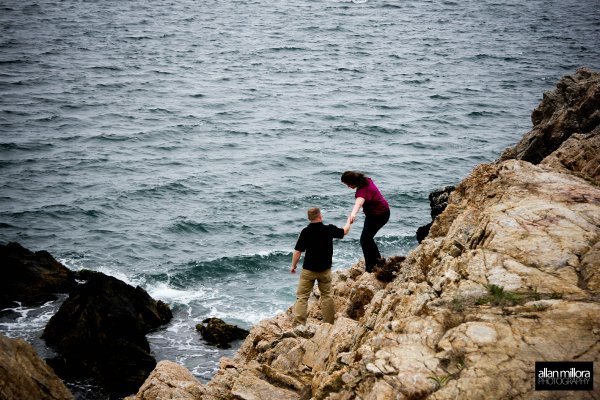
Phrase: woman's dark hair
pixel 354 178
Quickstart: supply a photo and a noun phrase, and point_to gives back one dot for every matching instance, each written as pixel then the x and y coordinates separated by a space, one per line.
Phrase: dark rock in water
pixel 99 332
pixel 24 375
pixel 572 107
pixel 423 231
pixel 387 270
pixel 438 201
pixel 31 278
pixel 219 333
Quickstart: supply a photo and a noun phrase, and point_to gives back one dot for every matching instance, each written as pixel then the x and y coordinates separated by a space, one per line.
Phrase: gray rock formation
pixel 31 278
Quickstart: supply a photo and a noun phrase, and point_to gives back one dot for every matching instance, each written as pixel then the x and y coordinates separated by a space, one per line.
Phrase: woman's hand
pixel 351 218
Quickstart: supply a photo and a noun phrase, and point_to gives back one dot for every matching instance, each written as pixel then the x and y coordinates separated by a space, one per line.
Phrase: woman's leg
pixel 373 224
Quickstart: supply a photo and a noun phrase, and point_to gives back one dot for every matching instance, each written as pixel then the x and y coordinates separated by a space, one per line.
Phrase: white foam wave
pixel 75 264
pixel 110 271
pixel 162 291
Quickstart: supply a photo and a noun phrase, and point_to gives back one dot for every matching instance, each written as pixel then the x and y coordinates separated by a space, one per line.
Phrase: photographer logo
pixel 564 375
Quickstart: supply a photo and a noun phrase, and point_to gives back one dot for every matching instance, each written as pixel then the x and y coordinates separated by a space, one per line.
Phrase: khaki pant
pixel 305 287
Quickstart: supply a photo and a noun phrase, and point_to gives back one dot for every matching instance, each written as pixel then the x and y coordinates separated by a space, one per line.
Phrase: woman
pixel 377 213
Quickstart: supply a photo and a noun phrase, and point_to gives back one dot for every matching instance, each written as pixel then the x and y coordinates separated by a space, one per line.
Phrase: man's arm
pixel 295 258
pixel 347 226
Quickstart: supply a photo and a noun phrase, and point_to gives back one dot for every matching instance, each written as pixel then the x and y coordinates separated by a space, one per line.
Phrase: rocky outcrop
pixel 573 107
pixel 24 375
pixel 219 333
pixel 31 278
pixel 580 155
pixel 438 200
pixel 508 275
pixel 99 332
pixel 169 380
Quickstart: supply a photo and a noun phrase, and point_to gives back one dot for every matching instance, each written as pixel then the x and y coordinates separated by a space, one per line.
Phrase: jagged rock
pixel 219 333
pixel 508 275
pixel 580 154
pixel 573 107
pixel 250 387
pixel 438 200
pixel 31 278
pixel 99 331
pixel 169 380
pixel 24 375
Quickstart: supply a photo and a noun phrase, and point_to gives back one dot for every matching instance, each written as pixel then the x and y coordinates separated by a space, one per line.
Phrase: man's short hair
pixel 313 213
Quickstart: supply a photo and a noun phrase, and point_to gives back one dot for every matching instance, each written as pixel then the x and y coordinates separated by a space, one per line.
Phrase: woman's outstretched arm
pixel 357 205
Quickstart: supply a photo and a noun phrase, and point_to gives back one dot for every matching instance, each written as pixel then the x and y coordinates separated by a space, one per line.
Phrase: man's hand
pixel 295 259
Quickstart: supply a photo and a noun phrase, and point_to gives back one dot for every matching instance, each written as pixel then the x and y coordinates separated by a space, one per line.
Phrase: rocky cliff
pixel 508 275
pixel 24 375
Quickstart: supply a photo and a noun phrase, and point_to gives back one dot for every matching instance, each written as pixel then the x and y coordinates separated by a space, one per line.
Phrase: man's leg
pixel 324 281
pixel 305 286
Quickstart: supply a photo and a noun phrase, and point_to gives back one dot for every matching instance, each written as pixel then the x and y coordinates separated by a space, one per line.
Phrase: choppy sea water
pixel 176 145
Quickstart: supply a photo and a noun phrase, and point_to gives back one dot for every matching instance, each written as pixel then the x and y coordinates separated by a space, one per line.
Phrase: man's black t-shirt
pixel 317 240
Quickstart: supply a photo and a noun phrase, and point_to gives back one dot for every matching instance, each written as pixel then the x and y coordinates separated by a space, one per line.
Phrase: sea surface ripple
pixel 176 145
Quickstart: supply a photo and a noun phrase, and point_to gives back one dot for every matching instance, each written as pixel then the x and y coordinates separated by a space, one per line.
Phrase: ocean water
pixel 177 145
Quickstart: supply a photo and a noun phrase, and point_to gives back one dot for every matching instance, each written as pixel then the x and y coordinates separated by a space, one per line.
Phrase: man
pixel 317 240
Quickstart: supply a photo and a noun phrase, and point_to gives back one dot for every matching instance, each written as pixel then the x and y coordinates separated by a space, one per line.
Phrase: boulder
pixel 219 333
pixel 24 375
pixel 572 107
pixel 99 332
pixel 31 278
pixel 169 380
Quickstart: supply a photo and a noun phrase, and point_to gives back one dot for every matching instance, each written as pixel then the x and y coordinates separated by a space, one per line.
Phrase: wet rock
pixel 423 231
pixel 99 332
pixel 438 200
pixel 31 278
pixel 219 333
pixel 24 375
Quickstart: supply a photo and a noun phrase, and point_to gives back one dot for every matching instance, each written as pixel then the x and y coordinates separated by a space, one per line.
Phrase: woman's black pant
pixel 373 223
